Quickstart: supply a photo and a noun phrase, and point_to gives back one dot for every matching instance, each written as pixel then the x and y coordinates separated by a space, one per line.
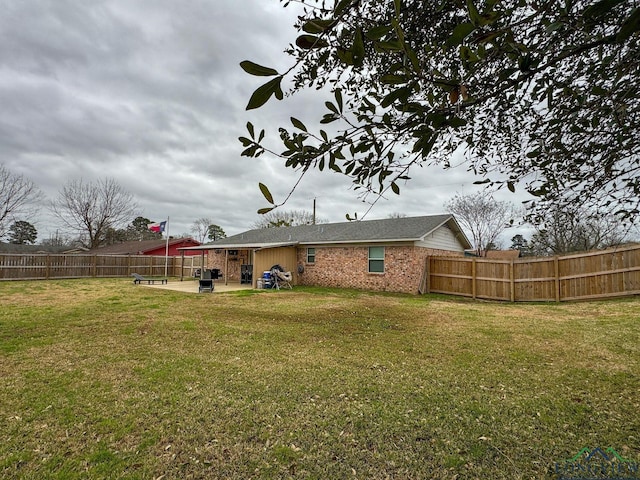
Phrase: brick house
pixel 377 255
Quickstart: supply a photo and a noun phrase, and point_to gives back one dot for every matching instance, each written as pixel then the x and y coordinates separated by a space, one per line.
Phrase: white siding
pixel 442 239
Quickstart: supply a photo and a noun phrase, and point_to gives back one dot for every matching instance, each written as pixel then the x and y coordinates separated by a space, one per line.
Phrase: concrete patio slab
pixel 191 286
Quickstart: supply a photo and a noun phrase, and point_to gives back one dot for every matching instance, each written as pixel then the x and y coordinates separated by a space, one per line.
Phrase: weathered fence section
pixel 591 275
pixel 52 266
pixel 189 265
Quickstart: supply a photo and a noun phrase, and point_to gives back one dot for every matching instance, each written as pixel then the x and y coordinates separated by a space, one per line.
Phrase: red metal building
pixel 150 247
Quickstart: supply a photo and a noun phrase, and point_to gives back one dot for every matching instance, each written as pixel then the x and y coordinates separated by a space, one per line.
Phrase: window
pixel 376 259
pixel 311 255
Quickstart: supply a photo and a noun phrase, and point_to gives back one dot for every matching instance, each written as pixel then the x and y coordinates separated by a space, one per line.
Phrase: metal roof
pixel 406 229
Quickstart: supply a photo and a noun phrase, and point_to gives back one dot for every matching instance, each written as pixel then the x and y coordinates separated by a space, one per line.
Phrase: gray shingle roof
pixel 389 229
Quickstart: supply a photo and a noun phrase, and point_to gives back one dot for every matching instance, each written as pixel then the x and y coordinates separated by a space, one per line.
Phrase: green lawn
pixel 104 379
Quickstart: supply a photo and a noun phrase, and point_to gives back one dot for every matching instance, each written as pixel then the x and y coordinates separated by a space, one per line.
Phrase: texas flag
pixel 157 227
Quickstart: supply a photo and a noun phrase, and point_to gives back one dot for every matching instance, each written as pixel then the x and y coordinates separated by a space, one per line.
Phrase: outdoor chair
pixel 280 278
pixel 138 279
pixel 206 285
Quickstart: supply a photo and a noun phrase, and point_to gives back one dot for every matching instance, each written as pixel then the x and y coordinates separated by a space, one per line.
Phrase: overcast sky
pixel 150 93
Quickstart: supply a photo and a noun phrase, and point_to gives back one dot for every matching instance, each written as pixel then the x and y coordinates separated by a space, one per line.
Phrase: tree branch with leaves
pixel 540 96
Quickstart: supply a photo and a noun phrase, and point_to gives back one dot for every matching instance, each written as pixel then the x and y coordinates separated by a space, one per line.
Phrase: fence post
pixel 47 270
pixel 512 282
pixel 473 278
pixel 95 266
pixel 427 286
pixel 556 267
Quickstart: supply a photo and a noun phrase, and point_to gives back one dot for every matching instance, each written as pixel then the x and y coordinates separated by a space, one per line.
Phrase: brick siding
pixel 217 260
pixel 349 267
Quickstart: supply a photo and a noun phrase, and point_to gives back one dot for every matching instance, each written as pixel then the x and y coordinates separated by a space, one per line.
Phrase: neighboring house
pixel 379 255
pixel 148 247
pixel 29 249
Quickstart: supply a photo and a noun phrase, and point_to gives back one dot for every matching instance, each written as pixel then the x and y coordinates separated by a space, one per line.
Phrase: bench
pixel 138 279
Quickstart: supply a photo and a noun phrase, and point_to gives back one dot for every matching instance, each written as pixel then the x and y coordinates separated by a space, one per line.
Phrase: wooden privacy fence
pixel 600 274
pixel 52 266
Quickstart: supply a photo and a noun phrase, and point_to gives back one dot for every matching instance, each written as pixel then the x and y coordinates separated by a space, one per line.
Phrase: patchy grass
pixel 104 379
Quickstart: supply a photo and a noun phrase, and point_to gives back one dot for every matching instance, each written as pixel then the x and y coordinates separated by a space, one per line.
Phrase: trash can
pixel 266 279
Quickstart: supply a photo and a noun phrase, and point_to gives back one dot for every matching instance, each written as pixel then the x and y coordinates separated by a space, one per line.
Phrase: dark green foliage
pixel 22 233
pixel 540 95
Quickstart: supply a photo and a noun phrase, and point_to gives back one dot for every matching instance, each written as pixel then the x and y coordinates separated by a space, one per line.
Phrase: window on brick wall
pixel 311 255
pixel 376 259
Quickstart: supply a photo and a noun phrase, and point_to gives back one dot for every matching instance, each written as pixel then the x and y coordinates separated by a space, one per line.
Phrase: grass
pixel 104 379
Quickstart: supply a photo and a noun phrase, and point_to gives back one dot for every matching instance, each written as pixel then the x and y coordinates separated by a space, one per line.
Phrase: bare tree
pixel 286 218
pixel 18 195
pixel 577 229
pixel 90 209
pixel 482 217
pixel 200 229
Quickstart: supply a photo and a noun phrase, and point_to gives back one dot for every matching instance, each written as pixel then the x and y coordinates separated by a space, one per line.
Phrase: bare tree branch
pixel 90 209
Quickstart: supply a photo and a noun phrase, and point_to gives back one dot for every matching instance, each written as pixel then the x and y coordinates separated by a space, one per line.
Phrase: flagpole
pixel 166 252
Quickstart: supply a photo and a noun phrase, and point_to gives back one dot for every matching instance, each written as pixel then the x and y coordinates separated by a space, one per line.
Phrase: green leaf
pixel 400 93
pixel 262 211
pixel 552 27
pixel 250 129
pixel 258 70
pixel 341 6
pixel 390 46
pixel 279 93
pixel 390 79
pixel 307 42
pixel 298 124
pixel 598 9
pixel 266 193
pixel 332 107
pixel 630 26
pixel 511 187
pixel 376 33
pixel 395 188
pixel 460 32
pixel 263 93
pixel 345 56
pixel 456 122
pixel 474 15
pixel 317 25
pixel 338 95
pixel 358 48
pixel 328 118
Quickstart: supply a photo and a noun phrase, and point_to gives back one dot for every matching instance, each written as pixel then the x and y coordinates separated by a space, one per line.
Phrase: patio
pixel 191 286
